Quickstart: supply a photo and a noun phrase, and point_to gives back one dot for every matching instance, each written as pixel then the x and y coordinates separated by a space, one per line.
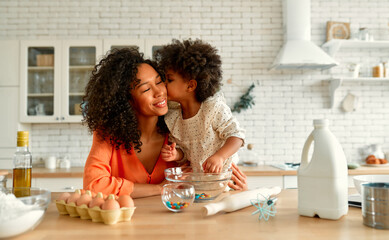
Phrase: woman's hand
pixel 239 179
pixel 169 153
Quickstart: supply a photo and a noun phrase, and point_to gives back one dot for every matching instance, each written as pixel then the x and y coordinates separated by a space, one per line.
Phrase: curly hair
pixel 106 104
pixel 193 60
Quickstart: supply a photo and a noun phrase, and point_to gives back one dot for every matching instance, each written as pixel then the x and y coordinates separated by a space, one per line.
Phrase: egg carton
pixel 96 214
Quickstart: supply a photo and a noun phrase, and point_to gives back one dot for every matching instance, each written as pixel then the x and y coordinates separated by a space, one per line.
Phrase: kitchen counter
pixel 152 220
pixel 267 170
pixel 261 170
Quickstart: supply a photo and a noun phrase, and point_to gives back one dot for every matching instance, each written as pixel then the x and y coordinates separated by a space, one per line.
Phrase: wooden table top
pixel 152 220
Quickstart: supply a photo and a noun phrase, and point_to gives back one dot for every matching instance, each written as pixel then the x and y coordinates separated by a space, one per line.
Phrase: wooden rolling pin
pixel 239 200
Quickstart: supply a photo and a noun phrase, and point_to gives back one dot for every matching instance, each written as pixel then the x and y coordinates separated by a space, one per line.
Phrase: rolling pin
pixel 239 200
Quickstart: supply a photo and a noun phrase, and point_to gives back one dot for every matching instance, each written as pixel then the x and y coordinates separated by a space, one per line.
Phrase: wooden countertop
pixel 261 170
pixel 39 172
pixel 152 220
pixel 267 170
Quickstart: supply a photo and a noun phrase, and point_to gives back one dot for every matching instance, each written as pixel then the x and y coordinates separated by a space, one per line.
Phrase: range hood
pixel 298 52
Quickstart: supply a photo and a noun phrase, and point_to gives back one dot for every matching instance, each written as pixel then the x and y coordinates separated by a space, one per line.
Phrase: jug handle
pixel 304 156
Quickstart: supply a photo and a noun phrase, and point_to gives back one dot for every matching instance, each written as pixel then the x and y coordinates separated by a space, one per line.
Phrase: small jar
pixel 363 34
pixel 3 181
pixel 376 150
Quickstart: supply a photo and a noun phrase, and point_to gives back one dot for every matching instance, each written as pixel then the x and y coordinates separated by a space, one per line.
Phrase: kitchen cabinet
pixel 58 184
pixel 53 78
pixel 334 45
pixel 54 73
pixel 9 100
pixel 264 181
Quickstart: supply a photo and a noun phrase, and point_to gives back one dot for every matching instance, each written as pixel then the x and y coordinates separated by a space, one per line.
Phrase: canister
pixel 375 205
pixel 3 180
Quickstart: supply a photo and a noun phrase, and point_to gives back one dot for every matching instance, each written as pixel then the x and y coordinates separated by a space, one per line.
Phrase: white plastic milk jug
pixel 322 181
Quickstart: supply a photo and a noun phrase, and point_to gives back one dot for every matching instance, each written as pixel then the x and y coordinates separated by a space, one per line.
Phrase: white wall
pixel 248 35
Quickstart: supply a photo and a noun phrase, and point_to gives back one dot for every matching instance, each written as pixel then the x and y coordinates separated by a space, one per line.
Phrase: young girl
pixel 202 125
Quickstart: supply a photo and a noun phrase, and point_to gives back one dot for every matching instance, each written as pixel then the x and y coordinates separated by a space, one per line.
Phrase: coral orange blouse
pixel 108 170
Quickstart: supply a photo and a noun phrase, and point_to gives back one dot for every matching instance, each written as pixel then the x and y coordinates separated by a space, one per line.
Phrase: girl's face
pixel 176 86
pixel 149 96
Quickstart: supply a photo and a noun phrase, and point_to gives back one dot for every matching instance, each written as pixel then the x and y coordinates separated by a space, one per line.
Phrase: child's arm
pixel 170 153
pixel 215 162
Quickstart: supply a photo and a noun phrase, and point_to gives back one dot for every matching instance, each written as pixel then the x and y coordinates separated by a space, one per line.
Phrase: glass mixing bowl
pixel 19 215
pixel 177 196
pixel 207 186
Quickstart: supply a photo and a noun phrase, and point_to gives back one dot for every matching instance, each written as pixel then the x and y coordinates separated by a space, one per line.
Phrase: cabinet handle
pixel 69 188
pixel 62 118
pixel 57 118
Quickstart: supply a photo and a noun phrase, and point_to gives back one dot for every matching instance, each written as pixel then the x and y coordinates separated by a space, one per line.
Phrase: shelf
pixel 85 67
pixel 336 82
pixel 41 68
pixel 334 45
pixel 76 94
pixel 40 95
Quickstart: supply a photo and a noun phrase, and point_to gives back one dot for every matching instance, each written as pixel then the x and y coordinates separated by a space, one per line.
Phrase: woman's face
pixel 149 96
pixel 176 85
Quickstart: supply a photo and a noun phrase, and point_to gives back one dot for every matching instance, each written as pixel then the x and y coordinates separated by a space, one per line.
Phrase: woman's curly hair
pixel 106 104
pixel 193 59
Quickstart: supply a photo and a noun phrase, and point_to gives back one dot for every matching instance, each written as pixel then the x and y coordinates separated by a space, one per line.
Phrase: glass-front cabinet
pixel 53 78
pixel 40 69
pixel 54 74
pixel 80 57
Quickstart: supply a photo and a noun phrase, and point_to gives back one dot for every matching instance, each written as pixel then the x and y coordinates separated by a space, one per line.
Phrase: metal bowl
pixel 375 205
pixel 24 213
pixel 207 186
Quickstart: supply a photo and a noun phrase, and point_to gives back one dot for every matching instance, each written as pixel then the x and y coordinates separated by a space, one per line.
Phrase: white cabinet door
pixel 58 184
pixel 261 181
pixel 9 100
pixel 9 63
pixel 78 60
pixel 290 181
pixel 53 78
pixel 40 81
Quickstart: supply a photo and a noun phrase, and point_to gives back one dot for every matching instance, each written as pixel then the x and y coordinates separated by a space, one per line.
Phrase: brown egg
pixel 97 201
pixel 126 201
pixel 110 203
pixel 64 196
pixel 85 198
pixel 74 196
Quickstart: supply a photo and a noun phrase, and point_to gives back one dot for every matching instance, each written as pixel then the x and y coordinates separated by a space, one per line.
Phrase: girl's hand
pixel 214 164
pixel 239 179
pixel 169 152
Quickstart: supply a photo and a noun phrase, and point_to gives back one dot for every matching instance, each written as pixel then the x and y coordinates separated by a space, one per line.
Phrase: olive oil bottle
pixel 22 165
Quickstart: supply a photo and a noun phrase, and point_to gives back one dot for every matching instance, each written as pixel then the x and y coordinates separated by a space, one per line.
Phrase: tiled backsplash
pixel 248 35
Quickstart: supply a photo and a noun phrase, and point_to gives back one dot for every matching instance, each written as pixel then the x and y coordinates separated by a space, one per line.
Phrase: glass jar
pixel 376 150
pixel 363 34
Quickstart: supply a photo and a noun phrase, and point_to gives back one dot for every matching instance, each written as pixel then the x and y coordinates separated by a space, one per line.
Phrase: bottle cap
pixel 22 138
pixel 320 122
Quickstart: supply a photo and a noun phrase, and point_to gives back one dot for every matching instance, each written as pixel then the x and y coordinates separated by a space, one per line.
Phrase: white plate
pixel 376 165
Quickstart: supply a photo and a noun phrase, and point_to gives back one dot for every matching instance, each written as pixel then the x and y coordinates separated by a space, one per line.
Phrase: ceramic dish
pixel 376 165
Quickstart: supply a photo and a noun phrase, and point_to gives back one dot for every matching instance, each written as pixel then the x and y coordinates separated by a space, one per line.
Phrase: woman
pixel 124 104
